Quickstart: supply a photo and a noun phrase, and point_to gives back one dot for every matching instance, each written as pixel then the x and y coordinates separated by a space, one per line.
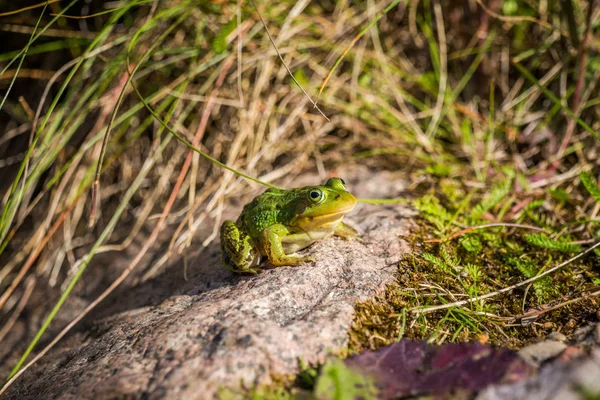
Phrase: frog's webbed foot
pixel 238 251
pixel 272 241
pixel 346 232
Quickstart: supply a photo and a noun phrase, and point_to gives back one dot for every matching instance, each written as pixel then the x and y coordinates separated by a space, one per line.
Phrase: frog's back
pixel 269 208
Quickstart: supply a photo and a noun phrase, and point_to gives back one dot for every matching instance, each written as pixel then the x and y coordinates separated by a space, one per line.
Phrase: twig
pixel 120 89
pixel 538 313
pixel 513 19
pixel 419 310
pixel 38 5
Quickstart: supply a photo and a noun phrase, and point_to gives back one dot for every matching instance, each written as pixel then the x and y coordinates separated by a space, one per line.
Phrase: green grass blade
pixel 556 100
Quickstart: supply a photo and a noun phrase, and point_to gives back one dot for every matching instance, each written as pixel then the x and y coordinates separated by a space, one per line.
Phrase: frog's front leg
pixel 346 232
pixel 238 250
pixel 272 242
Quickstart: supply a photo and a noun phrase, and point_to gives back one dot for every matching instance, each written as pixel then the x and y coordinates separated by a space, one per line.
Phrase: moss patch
pixel 450 262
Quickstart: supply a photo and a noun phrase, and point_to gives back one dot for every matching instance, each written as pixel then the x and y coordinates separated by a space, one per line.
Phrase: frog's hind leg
pixel 238 251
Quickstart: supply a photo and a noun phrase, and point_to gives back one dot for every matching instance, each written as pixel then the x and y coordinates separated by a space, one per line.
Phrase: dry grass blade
pixel 147 244
pixel 443 52
pixel 19 308
pixel 34 6
pixel 33 256
pixel 95 188
pixel 283 61
pixel 352 43
pixel 582 56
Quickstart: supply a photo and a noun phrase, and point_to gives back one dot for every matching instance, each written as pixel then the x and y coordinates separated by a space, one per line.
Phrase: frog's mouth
pixel 326 221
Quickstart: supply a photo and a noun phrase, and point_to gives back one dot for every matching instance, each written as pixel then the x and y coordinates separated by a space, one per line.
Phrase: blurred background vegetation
pixel 488 108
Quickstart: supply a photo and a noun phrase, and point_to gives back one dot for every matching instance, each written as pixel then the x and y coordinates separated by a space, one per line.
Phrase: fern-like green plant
pixel 543 286
pixel 471 243
pixel 590 185
pixel 560 244
pixel 450 259
pixel 474 272
pixel 496 196
pixel 531 212
pixel 438 262
pixel 524 265
pixel 433 211
pixel 534 205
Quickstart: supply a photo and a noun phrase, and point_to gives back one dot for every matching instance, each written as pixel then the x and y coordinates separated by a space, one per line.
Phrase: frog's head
pixel 323 207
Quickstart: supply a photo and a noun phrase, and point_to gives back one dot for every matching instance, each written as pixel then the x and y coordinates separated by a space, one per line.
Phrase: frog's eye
pixel 336 183
pixel 316 195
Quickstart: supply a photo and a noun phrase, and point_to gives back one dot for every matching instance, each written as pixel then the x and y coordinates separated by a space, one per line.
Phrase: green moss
pixel 477 262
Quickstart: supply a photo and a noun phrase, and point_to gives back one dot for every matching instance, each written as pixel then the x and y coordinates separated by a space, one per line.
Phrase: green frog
pixel 280 222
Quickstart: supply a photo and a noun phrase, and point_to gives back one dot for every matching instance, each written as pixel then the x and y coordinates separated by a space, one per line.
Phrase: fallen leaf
pixel 413 368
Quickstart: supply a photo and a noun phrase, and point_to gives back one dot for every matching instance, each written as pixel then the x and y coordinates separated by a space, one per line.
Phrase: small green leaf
pixel 471 244
pixel 219 44
pixel 337 381
pixel 364 80
pixel 438 170
pixel 498 194
pixel 438 262
pixel 541 240
pixel 301 77
pixel 535 204
pixel 433 211
pixel 559 194
pixel 510 7
pixel 543 286
pixel 473 271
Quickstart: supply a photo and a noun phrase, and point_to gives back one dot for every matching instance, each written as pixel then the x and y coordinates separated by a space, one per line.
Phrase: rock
pixel 537 353
pixel 167 338
pixel 556 381
pixel 557 336
pixel 587 336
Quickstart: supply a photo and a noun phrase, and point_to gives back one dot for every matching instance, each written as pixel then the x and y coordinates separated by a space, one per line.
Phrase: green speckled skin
pixel 280 222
